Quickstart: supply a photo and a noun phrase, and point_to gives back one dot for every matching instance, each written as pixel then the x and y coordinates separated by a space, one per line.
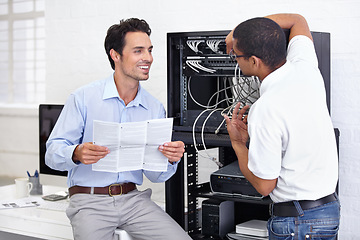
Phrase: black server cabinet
pixel 197 67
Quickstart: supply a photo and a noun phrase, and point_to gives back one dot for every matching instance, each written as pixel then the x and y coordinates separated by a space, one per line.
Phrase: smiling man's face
pixel 136 58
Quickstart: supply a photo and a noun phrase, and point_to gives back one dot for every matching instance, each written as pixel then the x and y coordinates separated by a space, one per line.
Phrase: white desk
pixel 32 221
pixel 37 222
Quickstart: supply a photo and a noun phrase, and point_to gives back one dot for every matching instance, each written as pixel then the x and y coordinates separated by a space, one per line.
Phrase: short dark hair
pixel 263 38
pixel 115 38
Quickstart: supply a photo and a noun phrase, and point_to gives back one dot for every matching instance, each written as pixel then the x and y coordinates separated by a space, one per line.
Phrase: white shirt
pixel 291 133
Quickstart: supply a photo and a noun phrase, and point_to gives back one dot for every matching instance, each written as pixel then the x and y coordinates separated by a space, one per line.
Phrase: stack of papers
pixel 253 229
pixel 236 236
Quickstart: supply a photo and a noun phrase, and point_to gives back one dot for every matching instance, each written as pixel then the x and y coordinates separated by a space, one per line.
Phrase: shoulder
pixel 93 90
pixel 149 98
pixel 152 103
pixel 90 93
pixel 301 48
pixel 92 86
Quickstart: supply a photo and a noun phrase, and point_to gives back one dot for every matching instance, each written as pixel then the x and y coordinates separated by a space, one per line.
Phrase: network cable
pixel 214 45
pixel 195 65
pixel 194 45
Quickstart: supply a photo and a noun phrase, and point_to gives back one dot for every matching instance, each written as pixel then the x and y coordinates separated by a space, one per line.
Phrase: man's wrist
pixel 74 157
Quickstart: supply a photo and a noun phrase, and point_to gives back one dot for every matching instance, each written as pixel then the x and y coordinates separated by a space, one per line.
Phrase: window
pixel 22 51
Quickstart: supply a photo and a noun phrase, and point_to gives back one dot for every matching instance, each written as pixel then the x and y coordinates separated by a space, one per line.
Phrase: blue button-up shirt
pixel 99 101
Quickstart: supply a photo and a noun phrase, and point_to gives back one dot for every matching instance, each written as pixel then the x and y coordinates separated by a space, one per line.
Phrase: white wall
pixel 75 33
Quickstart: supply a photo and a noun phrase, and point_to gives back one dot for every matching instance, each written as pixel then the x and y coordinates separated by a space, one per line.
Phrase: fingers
pixel 236 110
pixel 227 119
pixel 173 150
pixel 238 114
pixel 243 110
pixel 229 41
pixel 245 119
pixel 96 149
pixel 237 125
pixel 88 153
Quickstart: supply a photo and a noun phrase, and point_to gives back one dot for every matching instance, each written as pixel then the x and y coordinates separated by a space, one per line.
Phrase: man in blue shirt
pixel 100 202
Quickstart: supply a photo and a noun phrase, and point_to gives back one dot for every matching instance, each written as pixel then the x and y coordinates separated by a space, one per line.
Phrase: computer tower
pixel 217 217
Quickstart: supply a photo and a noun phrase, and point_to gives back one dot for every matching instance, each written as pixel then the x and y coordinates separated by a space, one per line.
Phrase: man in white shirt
pixel 292 154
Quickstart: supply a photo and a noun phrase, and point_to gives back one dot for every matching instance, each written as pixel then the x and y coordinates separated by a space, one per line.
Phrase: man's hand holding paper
pixel 173 150
pixel 88 153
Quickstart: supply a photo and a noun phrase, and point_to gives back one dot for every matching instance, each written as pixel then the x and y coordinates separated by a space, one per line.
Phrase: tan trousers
pixel 95 217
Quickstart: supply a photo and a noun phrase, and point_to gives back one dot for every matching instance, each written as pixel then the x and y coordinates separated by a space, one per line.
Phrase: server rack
pixel 197 67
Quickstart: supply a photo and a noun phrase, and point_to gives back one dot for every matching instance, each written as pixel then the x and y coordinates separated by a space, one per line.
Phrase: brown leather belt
pixel 111 190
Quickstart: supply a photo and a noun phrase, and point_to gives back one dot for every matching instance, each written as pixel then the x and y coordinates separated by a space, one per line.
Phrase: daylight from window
pixel 22 51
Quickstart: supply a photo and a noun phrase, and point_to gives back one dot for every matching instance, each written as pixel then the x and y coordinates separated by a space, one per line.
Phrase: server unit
pixel 229 181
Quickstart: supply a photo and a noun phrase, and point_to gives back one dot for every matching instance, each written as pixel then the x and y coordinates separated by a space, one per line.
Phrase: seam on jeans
pixel 296 229
pixel 270 229
pixel 324 233
pixel 320 220
pixel 323 224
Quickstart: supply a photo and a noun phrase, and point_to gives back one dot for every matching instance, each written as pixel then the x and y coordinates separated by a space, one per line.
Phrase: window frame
pixel 35 96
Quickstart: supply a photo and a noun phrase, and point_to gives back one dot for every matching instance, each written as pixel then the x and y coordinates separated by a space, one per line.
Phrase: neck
pixel 126 88
pixel 263 74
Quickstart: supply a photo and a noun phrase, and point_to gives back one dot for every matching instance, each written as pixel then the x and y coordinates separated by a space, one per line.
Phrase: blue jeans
pixel 317 223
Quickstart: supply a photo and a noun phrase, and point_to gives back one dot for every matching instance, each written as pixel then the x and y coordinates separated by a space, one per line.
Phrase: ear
pixel 255 61
pixel 115 56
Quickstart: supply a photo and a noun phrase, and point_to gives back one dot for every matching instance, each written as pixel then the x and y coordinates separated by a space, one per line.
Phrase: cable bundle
pixel 195 65
pixel 194 44
pixel 214 45
pixel 243 89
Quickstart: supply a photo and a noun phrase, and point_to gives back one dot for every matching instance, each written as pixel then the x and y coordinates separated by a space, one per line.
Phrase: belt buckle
pixel 113 185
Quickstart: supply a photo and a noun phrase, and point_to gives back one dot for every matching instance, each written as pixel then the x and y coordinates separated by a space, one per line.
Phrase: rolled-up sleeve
pixel 162 176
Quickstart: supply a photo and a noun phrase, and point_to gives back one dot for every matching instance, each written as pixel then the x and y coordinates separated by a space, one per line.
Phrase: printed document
pixel 19 203
pixel 132 145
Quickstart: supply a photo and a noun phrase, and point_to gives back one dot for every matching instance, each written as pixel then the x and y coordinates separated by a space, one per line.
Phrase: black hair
pixel 263 38
pixel 115 38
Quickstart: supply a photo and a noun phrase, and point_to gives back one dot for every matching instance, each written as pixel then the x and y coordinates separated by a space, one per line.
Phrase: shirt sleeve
pixel 65 136
pixel 301 48
pixel 265 152
pixel 157 177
